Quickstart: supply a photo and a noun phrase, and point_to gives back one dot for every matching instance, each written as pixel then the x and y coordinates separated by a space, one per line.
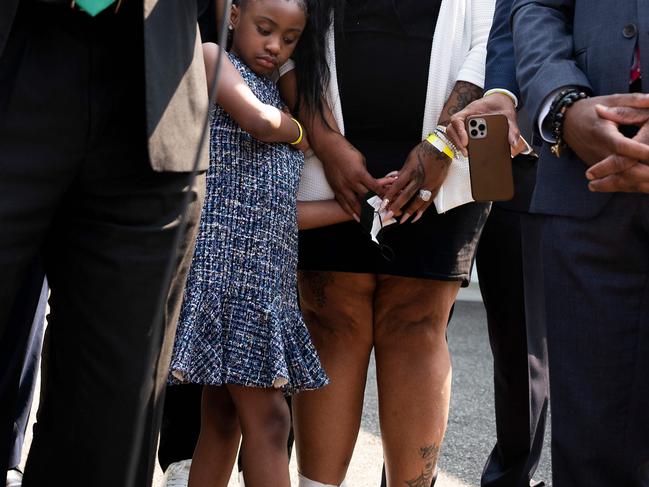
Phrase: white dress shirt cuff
pixel 505 92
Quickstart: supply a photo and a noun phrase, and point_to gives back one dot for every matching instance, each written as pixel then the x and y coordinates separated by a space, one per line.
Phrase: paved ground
pixel 471 432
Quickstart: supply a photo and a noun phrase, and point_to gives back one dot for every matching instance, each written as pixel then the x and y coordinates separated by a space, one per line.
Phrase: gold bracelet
pixel 301 136
pixel 440 145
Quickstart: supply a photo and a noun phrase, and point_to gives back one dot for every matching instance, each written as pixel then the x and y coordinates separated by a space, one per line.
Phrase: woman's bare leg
pixel 337 308
pixel 265 422
pixel 413 374
pixel 218 441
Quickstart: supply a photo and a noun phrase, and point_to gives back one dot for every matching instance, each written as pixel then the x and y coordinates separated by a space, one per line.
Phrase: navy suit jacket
pixel 587 43
pixel 501 63
pixel 501 73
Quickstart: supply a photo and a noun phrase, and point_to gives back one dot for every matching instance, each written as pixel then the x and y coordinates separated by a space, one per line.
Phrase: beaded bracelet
pixel 564 100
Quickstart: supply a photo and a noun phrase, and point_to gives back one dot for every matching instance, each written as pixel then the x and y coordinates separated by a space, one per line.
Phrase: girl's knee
pixel 218 414
pixel 270 418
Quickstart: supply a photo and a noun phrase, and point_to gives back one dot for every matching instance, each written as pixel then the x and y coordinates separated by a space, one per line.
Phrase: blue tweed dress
pixel 240 322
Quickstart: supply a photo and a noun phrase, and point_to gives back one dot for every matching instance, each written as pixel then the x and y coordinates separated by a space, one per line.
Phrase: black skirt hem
pixel 433 276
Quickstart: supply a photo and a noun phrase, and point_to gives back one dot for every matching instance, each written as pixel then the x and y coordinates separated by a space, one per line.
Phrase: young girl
pixel 240 332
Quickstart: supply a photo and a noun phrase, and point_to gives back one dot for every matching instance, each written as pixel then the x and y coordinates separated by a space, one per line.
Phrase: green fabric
pixel 93 7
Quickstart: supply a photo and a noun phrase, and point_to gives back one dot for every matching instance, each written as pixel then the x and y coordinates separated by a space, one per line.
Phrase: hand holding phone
pixel 490 162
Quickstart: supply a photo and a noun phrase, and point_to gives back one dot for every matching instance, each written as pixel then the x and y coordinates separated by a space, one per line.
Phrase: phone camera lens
pixel 473 123
pixel 474 133
pixel 482 127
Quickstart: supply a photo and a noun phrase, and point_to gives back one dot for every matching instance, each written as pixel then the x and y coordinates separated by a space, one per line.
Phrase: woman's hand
pixel 418 182
pixel 387 181
pixel 426 168
pixel 348 177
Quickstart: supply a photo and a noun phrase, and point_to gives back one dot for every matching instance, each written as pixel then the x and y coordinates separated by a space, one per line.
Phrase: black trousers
pixel 28 376
pixel 19 359
pixel 76 189
pixel 520 376
pixel 594 290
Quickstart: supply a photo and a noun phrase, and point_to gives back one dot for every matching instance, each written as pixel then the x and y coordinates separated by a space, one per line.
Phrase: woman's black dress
pixel 383 59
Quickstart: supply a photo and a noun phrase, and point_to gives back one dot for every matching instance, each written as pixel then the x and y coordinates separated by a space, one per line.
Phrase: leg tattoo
pixel 318 281
pixel 429 454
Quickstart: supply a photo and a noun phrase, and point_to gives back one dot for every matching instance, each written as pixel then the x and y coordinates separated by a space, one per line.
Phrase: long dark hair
pixel 310 55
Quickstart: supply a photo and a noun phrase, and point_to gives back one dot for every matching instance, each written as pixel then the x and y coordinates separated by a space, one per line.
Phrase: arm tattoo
pixel 466 93
pixel 463 94
pixel 429 455
pixel 425 152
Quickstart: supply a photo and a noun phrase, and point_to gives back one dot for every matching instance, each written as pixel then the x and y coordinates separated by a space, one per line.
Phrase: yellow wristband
pixel 440 145
pixel 301 136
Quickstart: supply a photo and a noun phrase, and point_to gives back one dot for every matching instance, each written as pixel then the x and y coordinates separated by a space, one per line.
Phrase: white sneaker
pixel 14 478
pixel 177 475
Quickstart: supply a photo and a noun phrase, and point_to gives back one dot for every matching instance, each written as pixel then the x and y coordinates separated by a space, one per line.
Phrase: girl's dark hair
pixel 310 55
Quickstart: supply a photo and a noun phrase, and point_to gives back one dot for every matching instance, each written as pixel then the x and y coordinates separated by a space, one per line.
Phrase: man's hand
pixel 632 180
pixel 618 173
pixel 348 177
pixel 622 116
pixel 594 138
pixel 424 169
pixel 495 103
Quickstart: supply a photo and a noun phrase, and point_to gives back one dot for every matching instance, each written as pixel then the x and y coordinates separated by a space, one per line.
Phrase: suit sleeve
pixel 543 45
pixel 473 67
pixel 501 64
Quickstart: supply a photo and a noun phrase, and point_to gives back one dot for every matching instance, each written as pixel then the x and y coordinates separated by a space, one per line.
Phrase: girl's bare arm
pixel 264 122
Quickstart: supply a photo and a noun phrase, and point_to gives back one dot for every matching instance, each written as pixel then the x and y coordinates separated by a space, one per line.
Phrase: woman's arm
pixel 462 95
pixel 474 64
pixel 344 165
pixel 314 214
pixel 426 167
pixel 263 122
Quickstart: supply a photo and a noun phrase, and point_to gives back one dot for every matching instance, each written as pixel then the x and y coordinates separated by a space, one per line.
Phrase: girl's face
pixel 266 32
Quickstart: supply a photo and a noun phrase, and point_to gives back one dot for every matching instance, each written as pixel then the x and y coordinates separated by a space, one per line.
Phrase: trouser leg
pixel 31 364
pixel 500 269
pixel 76 186
pixel 38 152
pixel 181 423
pixel 596 288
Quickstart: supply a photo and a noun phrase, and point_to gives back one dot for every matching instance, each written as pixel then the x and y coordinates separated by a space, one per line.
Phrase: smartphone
pixel 490 161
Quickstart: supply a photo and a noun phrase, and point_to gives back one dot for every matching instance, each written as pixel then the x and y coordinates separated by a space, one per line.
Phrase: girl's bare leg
pixel 218 441
pixel 265 422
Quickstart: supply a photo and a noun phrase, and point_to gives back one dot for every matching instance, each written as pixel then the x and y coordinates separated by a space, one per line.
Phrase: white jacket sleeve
pixel 480 20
